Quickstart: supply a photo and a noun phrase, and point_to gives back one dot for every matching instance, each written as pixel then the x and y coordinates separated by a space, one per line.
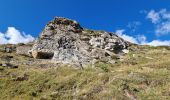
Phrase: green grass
pixel 146 73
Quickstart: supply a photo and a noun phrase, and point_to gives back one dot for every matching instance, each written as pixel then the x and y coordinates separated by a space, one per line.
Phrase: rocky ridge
pixel 65 41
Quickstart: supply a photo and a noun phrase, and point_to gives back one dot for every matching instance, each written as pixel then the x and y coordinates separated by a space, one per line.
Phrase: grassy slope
pixel 144 73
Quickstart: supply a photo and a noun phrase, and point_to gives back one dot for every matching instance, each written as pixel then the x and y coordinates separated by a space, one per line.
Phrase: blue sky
pixel 143 22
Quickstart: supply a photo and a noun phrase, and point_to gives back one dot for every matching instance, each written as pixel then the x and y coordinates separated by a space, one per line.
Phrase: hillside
pixel 142 74
pixel 69 62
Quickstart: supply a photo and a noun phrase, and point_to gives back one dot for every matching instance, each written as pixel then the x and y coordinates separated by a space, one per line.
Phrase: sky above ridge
pixel 138 21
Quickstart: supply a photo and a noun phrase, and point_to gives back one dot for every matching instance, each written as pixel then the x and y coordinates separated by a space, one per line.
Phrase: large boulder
pixel 65 41
pixel 24 50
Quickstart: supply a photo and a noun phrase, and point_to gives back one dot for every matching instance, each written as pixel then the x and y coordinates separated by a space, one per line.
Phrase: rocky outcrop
pixel 65 41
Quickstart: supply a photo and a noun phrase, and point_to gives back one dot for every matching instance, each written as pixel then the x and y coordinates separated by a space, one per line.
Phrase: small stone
pixel 8 65
pixel 4 65
pixel 22 78
pixel 125 51
pixel 112 62
pixel 9 49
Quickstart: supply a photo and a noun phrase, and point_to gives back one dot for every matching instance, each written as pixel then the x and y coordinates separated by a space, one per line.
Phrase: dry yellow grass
pixel 143 74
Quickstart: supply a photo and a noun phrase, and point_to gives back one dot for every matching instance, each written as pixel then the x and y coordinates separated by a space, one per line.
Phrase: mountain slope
pixel 143 73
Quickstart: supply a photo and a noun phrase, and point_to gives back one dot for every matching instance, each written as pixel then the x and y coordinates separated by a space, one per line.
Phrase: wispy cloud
pixel 163 28
pixel 161 21
pixel 14 36
pixel 133 26
pixel 154 16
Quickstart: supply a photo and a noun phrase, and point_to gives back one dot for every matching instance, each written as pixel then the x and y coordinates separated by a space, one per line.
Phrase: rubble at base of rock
pixel 65 41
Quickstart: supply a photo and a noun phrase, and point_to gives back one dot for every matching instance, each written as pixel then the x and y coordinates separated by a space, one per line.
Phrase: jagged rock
pixel 65 41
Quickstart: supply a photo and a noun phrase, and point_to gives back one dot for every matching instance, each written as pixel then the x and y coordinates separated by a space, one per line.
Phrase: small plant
pixel 103 66
pixel 1 68
pixel 115 57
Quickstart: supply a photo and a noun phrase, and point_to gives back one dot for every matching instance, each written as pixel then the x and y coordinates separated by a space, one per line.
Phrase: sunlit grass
pixel 144 72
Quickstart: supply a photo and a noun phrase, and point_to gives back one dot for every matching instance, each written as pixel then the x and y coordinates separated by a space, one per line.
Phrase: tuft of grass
pixel 1 68
pixel 103 66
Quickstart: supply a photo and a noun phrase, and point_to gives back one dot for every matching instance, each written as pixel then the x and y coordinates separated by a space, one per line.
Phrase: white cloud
pixel 14 36
pixel 126 37
pixel 163 28
pixel 165 14
pixel 154 16
pixel 161 20
pixel 159 43
pixel 141 39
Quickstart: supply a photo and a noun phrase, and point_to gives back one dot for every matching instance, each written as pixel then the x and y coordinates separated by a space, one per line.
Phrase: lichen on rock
pixel 65 41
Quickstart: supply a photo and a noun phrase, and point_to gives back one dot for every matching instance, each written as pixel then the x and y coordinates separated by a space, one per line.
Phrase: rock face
pixel 65 41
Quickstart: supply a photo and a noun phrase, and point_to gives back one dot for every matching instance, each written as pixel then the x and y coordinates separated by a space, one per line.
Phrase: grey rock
pixel 4 65
pixel 112 61
pixel 8 65
pixel 24 50
pixel 65 41
pixel 8 49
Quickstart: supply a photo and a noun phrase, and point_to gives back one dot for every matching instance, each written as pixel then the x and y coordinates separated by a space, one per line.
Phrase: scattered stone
pixel 125 51
pixel 6 58
pixel 4 65
pixel 112 62
pixel 130 95
pixel 22 78
pixel 8 48
pixel 128 92
pixel 149 58
pixel 8 65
